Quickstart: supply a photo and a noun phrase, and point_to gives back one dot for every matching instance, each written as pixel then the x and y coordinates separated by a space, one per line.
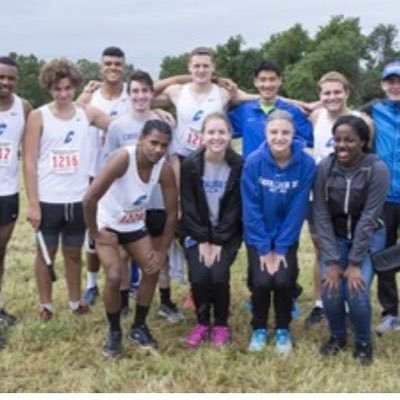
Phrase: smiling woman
pixel 349 195
pixel 276 183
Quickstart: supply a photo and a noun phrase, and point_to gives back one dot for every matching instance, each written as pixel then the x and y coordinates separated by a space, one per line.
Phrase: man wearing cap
pixel 386 116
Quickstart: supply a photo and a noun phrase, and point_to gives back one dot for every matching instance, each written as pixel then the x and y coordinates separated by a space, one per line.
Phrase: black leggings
pixel 281 284
pixel 210 286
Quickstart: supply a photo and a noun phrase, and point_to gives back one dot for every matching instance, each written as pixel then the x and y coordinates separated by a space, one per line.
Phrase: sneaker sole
pixel 111 355
pixel 169 318
pixel 141 346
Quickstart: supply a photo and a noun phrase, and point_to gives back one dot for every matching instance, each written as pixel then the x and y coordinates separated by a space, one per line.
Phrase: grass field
pixel 64 355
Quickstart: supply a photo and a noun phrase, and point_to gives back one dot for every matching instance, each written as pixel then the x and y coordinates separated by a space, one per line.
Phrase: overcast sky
pixel 148 30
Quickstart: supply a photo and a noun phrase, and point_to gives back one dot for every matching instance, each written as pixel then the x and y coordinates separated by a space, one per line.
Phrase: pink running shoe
pixel 197 335
pixel 220 335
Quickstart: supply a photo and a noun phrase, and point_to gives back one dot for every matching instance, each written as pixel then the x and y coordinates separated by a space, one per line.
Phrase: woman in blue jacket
pixel 276 183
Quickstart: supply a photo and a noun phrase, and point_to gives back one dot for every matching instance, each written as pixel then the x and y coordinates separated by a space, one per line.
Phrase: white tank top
pixel 191 114
pixel 125 131
pixel 323 138
pixel 127 197
pixel 63 157
pixel 114 108
pixel 12 122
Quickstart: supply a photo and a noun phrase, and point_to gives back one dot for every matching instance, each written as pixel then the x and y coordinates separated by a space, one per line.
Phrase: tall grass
pixel 64 355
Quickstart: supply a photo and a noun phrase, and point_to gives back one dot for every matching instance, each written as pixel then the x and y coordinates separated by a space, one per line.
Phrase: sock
pixel 47 306
pixel 318 303
pixel 124 298
pixel 135 275
pixel 165 296
pixel 113 320
pixel 140 315
pixel 73 305
pixel 91 280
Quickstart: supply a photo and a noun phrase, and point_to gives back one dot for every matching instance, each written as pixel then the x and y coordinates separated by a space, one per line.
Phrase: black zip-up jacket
pixel 195 213
pixel 348 203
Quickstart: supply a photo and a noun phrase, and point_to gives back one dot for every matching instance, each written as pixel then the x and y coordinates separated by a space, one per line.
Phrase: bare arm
pixel 169 96
pixel 87 93
pixel 30 154
pixel 170 195
pixel 97 118
pixel 161 85
pixel 115 167
pixel 308 108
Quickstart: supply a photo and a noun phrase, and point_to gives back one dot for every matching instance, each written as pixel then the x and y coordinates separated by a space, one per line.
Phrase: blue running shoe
pixel 283 341
pixel 258 339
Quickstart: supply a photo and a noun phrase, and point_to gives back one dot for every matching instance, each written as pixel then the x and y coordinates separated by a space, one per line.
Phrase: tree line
pixel 339 45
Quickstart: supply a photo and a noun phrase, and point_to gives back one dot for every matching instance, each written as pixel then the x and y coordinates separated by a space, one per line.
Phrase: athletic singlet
pixel 114 108
pixel 12 122
pixel 190 115
pixel 63 157
pixel 323 138
pixel 125 131
pixel 123 207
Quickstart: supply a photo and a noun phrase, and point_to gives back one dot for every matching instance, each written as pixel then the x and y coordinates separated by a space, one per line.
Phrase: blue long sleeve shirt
pixel 275 199
pixel 248 121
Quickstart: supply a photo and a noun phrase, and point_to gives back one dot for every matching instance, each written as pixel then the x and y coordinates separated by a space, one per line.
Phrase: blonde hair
pixel 216 115
pixel 334 76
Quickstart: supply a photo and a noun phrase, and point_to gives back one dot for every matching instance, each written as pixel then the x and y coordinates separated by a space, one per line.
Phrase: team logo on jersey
pixel 68 137
pixel 140 200
pixel 3 127
pixel 198 115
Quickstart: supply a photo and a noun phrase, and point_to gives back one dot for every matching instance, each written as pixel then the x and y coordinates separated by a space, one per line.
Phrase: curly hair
pixel 57 69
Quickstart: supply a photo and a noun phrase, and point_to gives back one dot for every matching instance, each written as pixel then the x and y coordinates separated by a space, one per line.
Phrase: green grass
pixel 64 355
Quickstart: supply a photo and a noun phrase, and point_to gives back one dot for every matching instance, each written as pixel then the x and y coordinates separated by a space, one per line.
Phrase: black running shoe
pixel 141 336
pixel 333 346
pixel 112 347
pixel 317 315
pixel 7 318
pixel 363 353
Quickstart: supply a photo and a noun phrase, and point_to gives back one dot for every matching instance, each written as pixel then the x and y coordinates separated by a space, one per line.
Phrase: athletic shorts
pixel 9 208
pixel 155 222
pixel 128 237
pixel 65 221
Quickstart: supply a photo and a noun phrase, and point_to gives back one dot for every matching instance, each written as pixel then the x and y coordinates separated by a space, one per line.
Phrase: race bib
pixel 194 139
pixel 64 161
pixel 5 154
pixel 135 215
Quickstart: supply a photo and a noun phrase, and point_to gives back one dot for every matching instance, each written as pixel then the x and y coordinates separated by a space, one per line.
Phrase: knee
pixel 73 257
pixel 283 283
pixel 150 278
pixel 114 280
pixel 262 285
